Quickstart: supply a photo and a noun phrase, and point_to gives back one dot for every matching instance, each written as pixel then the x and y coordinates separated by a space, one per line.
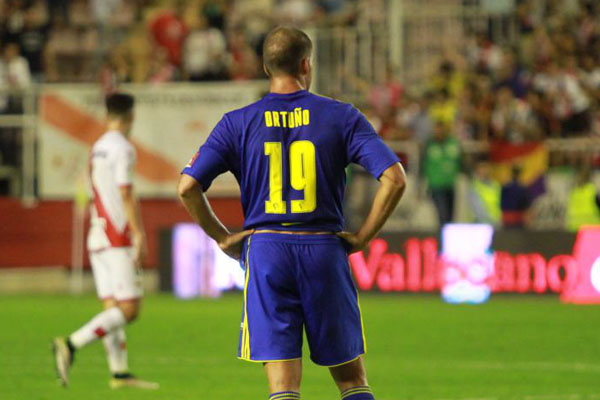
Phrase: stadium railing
pixel 409 40
pixel 19 117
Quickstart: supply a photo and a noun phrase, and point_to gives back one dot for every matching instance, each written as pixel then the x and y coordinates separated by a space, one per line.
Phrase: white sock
pixel 102 324
pixel 115 344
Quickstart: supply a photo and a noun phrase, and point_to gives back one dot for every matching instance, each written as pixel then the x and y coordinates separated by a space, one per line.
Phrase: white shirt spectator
pixel 14 75
pixel 18 75
pixel 104 10
pixel 204 51
pixel 575 99
pixel 294 11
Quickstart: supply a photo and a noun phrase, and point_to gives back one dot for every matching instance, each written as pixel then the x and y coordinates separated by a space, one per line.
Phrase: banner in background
pixel 468 262
pixel 586 287
pixel 523 262
pixel 200 268
pixel 171 122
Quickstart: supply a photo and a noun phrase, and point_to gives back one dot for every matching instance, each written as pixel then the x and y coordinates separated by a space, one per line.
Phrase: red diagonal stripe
pixel 87 129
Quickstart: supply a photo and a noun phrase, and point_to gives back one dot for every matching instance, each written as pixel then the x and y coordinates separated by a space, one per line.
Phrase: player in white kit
pixel 117 246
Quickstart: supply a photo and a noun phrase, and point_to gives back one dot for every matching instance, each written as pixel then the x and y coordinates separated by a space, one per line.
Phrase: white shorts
pixel 115 274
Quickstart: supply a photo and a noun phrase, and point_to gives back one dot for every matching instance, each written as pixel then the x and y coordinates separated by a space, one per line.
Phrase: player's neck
pixel 286 84
pixel 115 125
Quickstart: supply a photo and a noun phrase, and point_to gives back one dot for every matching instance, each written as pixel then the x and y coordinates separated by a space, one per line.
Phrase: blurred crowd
pixel 538 79
pixel 543 84
pixel 155 40
pixel 508 95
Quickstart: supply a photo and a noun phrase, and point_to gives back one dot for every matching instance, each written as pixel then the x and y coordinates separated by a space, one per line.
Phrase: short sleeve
pixel 124 166
pixel 215 157
pixel 365 147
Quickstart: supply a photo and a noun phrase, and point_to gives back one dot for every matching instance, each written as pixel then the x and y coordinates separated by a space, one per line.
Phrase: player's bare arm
pixel 389 193
pixel 134 218
pixel 193 198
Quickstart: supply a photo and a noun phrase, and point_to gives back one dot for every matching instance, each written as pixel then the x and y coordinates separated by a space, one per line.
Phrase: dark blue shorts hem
pixel 255 360
pixel 337 364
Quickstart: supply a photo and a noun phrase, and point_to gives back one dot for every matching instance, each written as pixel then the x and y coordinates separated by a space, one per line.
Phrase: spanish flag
pixel 531 157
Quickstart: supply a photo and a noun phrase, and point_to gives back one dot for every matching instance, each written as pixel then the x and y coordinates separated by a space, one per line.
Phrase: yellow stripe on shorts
pixel 246 332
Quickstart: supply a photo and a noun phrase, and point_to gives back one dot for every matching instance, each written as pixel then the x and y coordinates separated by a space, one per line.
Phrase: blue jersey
pixel 288 153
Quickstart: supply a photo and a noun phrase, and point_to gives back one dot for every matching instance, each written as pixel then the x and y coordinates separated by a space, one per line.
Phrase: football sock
pixel 358 393
pixel 126 375
pixel 285 396
pixel 103 323
pixel 116 351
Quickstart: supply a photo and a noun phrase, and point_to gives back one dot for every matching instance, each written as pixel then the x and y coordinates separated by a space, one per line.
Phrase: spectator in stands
pixel 161 69
pixel 385 98
pixel 512 75
pixel 104 11
pixel 473 112
pixel 512 119
pixel 443 108
pixel 575 115
pixel 583 206
pixel 62 52
pixel 256 18
pixel 214 12
pixel 484 195
pixel 448 79
pixel 589 76
pixel 415 118
pixel 15 21
pixel 484 54
pixel 140 52
pixel 114 71
pixel 32 41
pixel 79 14
pixel 169 31
pixel 15 77
pixel 515 202
pixel 295 12
pixel 245 64
pixel 541 109
pixel 442 162
pixel 204 52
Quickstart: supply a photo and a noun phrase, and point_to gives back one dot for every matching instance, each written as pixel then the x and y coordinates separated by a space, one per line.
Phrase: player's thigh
pixel 272 315
pixel 102 275
pixel 125 275
pixel 330 304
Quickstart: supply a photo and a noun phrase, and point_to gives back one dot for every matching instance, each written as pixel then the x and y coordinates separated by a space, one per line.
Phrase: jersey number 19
pixel 303 176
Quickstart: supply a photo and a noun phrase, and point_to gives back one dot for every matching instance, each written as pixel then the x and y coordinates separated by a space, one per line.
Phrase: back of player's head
pixel 119 105
pixel 284 49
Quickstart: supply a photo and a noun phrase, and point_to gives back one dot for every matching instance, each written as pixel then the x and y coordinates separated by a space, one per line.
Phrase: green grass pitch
pixel 515 347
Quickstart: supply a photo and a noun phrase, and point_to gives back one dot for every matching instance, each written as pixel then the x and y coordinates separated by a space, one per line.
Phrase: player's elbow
pixel 187 187
pixel 395 177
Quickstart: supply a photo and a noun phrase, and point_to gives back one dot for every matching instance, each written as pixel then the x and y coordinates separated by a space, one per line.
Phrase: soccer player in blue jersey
pixel 288 152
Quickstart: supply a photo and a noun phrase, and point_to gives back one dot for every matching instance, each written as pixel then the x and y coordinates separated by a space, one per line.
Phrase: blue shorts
pixel 296 282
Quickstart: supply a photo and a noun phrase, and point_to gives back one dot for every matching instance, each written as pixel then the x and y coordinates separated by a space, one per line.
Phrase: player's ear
pixel 305 66
pixel 266 70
